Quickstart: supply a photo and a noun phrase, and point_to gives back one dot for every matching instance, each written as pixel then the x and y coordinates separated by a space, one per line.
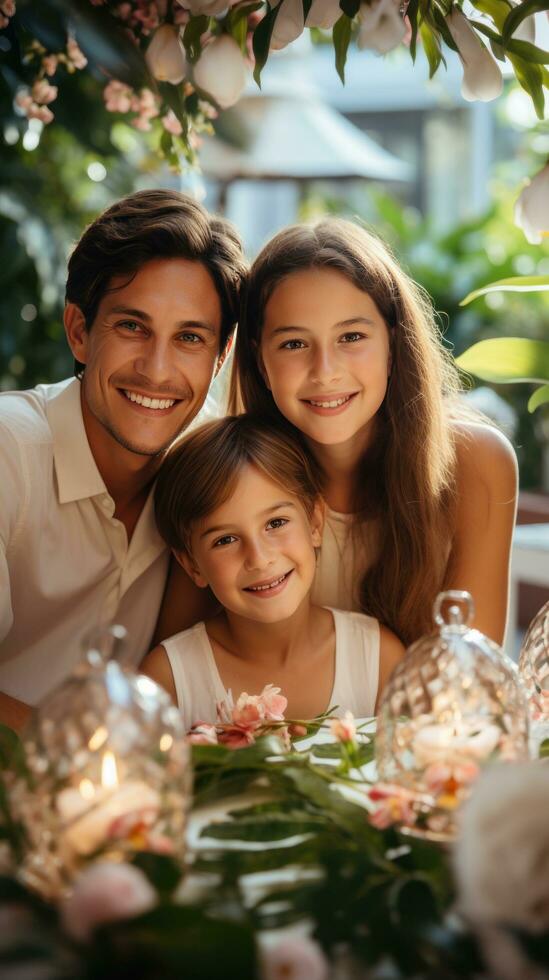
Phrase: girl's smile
pixel 325 355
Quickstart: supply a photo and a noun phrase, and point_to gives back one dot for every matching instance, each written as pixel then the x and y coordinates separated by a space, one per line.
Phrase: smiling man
pixel 151 301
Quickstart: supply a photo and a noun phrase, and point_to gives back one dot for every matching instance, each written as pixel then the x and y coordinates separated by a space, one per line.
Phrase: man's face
pixel 150 354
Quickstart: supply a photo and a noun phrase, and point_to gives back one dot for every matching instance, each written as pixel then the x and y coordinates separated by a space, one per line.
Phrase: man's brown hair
pixel 155 224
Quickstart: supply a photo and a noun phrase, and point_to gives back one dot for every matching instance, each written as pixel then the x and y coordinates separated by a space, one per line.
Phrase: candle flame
pixel 109 774
pixel 99 736
pixel 166 742
pixel 87 789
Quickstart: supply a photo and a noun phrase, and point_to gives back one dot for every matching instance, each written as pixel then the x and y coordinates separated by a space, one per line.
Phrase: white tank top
pixel 199 687
pixel 343 559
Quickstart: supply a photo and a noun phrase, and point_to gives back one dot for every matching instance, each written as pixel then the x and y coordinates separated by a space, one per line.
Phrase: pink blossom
pixel 395 805
pixel 8 8
pixel 440 777
pixel 235 737
pixel 202 734
pixel 248 711
pixel 40 112
pixel 76 56
pixel 105 892
pixel 344 729
pixel 117 96
pixel 274 703
pixel 43 93
pixel 49 64
pixel 124 11
pixel 293 958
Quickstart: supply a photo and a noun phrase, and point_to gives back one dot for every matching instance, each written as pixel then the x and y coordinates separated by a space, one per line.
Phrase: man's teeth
pixel 271 585
pixel 331 404
pixel 149 402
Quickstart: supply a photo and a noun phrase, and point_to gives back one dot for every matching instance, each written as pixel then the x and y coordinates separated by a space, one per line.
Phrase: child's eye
pixel 292 345
pixel 226 539
pixel 277 522
pixel 352 337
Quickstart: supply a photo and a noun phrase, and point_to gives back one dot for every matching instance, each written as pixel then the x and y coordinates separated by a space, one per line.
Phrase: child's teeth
pixel 331 404
pixel 149 402
pixel 261 588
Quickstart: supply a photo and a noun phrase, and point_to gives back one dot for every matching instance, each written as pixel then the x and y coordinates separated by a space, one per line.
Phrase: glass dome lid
pixel 453 704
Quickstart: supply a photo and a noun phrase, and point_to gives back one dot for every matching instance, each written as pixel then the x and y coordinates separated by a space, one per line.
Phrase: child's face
pixel 325 355
pixel 256 551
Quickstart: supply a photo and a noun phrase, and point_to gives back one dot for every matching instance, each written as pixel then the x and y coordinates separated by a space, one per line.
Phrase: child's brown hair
pixel 201 472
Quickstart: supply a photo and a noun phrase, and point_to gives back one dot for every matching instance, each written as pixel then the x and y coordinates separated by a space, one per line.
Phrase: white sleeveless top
pixel 343 559
pixel 199 687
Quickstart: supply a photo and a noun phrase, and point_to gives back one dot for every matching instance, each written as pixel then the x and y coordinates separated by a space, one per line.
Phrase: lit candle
pixel 89 811
pixel 455 744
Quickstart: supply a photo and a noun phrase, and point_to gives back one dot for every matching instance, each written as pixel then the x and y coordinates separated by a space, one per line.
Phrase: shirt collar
pixel 75 467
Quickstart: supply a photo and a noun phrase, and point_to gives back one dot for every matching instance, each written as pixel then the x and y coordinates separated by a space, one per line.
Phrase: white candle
pixel 455 744
pixel 90 810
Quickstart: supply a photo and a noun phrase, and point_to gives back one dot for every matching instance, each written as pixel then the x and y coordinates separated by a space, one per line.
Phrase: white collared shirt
pixel 65 562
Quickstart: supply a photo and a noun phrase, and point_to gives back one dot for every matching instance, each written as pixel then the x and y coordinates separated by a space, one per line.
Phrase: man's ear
pixel 317 521
pixel 77 334
pixel 191 569
pixel 260 364
pixel 224 354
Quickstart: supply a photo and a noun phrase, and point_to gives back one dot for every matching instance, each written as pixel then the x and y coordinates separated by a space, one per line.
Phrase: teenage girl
pixel 239 503
pixel 337 343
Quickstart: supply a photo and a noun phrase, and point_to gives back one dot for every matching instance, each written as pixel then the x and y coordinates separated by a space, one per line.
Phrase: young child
pixel 239 503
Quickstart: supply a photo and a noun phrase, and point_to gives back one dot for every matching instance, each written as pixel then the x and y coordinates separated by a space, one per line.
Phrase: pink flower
pixel 293 958
pixel 203 734
pixel 274 703
pixel 440 777
pixel 117 97
pixel 236 738
pixel 49 64
pixel 395 805
pixel 42 92
pixel 75 55
pixel 344 729
pixel 248 712
pixel 105 892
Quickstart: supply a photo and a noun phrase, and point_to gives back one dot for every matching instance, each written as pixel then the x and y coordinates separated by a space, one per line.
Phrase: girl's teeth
pixel 149 402
pixel 332 404
pixel 261 588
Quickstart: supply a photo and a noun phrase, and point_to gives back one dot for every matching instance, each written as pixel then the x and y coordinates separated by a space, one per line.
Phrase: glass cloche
pixel 534 670
pixel 109 772
pixel 454 703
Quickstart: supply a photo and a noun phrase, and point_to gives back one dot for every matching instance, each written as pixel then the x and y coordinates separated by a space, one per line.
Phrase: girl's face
pixel 256 551
pixel 325 355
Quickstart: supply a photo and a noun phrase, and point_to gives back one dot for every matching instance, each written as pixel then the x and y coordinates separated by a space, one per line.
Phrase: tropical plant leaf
pixel 517 284
pixel 540 397
pixel 341 37
pixel 262 40
pixel 519 13
pixel 194 30
pixel 431 47
pixel 507 359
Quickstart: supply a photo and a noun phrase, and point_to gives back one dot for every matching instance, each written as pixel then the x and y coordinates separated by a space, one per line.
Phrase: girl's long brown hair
pixel 407 476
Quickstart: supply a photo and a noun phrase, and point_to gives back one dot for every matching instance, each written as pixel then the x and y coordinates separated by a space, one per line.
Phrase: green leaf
pixel 530 77
pixel 162 871
pixel 12 753
pixel 517 284
pixel 520 13
pixel 194 30
pixel 495 9
pixel 173 96
pixel 262 40
pixel 543 751
pixel 431 48
pixel 507 359
pixel 525 50
pixel 540 397
pixel 412 14
pixel 241 12
pixel 270 827
pixel 341 36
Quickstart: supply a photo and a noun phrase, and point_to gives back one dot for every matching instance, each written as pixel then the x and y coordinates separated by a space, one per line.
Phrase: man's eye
pixel 131 325
pixel 352 337
pixel 292 345
pixel 191 338
pixel 226 539
pixel 277 522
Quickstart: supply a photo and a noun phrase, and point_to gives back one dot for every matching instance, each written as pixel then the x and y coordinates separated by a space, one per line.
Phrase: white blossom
pixel 165 55
pixel 289 23
pixel 382 25
pixel 526 31
pixel 482 78
pixel 532 207
pixel 221 71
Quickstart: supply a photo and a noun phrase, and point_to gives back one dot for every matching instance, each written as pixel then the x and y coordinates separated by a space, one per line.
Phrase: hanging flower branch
pixel 170 65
